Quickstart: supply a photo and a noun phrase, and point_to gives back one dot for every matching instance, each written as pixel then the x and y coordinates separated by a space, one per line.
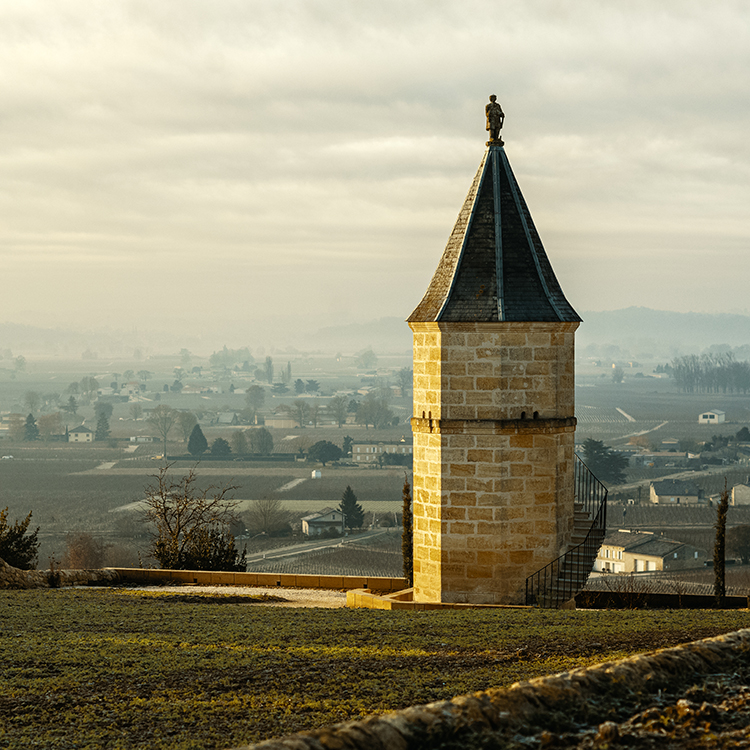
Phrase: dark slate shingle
pixel 486 275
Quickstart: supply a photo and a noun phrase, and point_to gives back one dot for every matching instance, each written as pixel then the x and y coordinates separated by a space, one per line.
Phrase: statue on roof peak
pixel 495 120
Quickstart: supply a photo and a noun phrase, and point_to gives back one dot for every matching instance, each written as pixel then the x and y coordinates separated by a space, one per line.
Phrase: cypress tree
pixel 30 429
pixel 102 427
pixel 407 535
pixel 720 589
pixel 352 510
pixel 197 443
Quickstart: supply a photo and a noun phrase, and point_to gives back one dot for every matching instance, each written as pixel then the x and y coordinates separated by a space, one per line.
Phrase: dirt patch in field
pixel 273 597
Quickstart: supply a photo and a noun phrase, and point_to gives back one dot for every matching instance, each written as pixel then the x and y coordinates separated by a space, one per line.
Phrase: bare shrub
pixel 121 556
pixel 267 515
pixel 82 551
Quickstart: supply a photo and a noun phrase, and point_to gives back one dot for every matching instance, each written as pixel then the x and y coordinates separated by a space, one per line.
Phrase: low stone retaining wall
pixel 403 599
pixel 642 600
pixel 215 578
pixel 490 718
pixel 13 578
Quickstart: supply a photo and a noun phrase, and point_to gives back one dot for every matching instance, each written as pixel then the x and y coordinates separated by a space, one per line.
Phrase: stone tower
pixel 494 412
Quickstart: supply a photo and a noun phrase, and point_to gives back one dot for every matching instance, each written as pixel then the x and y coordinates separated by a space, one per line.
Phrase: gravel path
pixel 324 598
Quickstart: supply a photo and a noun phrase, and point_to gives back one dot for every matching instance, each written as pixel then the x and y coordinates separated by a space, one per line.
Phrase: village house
pixel 326 519
pixel 638 552
pixel 81 434
pixel 675 491
pixel 131 390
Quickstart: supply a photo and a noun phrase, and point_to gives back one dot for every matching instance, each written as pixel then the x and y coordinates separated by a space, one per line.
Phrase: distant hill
pixel 28 340
pixel 638 331
pixel 634 332
pixel 387 335
pixel 641 331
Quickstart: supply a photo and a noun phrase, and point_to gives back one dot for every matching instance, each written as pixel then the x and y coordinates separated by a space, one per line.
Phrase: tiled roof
pixel 675 487
pixel 644 544
pixel 494 267
pixel 657 516
pixel 320 514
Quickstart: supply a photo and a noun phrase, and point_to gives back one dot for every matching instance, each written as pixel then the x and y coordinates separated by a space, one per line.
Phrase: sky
pixel 236 165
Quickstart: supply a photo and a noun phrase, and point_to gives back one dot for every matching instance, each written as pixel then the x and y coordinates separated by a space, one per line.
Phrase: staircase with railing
pixel 563 578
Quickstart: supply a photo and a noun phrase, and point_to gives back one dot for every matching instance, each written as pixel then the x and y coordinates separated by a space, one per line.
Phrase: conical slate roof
pixel 494 267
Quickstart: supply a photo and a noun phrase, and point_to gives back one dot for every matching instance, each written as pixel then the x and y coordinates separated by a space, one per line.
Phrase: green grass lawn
pixel 125 669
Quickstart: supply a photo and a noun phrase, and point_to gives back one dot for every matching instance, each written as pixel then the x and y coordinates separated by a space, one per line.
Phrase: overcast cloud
pixel 217 164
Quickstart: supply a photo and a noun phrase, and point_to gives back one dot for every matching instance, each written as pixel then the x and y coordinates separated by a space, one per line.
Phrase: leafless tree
pixel 255 398
pixel 261 441
pixel 31 399
pixel 337 408
pixel 182 515
pixel 186 421
pixel 162 419
pixel 266 515
pixel 299 410
pixel 50 424
pixel 239 444
pixel 404 379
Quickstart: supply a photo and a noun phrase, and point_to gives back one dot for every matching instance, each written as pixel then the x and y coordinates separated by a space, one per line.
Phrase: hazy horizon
pixel 207 168
pixel 638 330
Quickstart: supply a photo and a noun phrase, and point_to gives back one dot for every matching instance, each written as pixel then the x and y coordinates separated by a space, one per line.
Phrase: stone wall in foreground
pixel 464 721
pixel 13 578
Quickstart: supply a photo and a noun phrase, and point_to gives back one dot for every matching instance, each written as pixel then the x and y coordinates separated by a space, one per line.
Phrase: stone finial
pixel 495 120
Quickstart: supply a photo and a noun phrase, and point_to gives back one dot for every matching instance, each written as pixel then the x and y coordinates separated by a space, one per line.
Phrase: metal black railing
pixel 563 578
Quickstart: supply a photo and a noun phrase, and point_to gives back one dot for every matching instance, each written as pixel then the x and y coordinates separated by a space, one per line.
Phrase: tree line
pixel 711 373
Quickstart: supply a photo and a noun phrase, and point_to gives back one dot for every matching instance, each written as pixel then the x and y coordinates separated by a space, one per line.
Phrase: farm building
pixel 661 458
pixel 637 552
pixel 281 423
pixel 715 416
pixel 675 491
pixel 670 444
pixel 318 523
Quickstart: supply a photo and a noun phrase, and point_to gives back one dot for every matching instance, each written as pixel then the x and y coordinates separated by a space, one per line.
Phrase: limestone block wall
pixel 493 457
pixel 494 370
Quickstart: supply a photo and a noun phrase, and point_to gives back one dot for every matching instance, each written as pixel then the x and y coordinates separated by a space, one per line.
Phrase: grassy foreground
pixel 125 669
